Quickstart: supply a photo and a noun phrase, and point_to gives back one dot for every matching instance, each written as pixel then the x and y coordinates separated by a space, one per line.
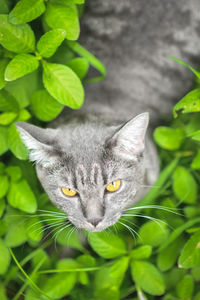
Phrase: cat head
pixel 90 171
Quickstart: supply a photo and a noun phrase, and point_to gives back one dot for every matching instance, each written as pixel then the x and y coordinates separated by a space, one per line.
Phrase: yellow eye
pixel 68 192
pixel 114 185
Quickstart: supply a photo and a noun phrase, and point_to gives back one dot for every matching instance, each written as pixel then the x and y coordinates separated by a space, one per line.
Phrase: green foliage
pixel 42 67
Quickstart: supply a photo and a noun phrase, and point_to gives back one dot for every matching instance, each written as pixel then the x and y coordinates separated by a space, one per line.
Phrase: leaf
pixel 111 276
pixel 190 256
pixel 7 118
pixel 4 258
pixel 73 241
pixel 186 65
pixel 169 138
pixel 153 233
pixel 189 103
pixel 23 115
pixel 20 65
pixel 65 17
pixel 196 161
pixel 107 246
pixel 2 289
pixel 59 285
pixel 8 102
pixel 50 41
pixel 4 6
pixel 21 196
pixel 167 258
pixel 40 255
pixel 3 64
pixel 184 185
pixel 80 66
pixel 16 233
pixel 4 184
pixel 63 84
pixel 185 288
pixel 14 172
pixel 16 38
pixel 2 208
pixel 44 106
pixel 141 252
pixel 34 229
pixel 3 139
pixel 26 11
pixel 147 277
pixel 15 144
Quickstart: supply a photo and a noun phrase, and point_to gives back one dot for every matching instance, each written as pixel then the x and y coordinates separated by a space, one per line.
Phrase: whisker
pixel 45 227
pixel 130 222
pixel 51 211
pixel 150 218
pixel 132 231
pixel 156 207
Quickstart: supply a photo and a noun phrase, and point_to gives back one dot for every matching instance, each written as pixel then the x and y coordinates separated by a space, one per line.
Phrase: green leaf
pixel 8 102
pixel 4 184
pixel 16 38
pixel 197 296
pixel 4 258
pixel 80 66
pixel 34 229
pixel 167 258
pixel 23 115
pixel 59 285
pixel 50 41
pixel 2 208
pixel 40 255
pixel 107 246
pixel 147 277
pixel 3 64
pixel 189 103
pixel 7 118
pixel 15 144
pixel 63 84
pixel 184 185
pixel 16 233
pixel 185 288
pixel 169 138
pixel 73 241
pixel 14 172
pixel 20 65
pixel 141 252
pixel 2 286
pixel 44 106
pixel 196 161
pixel 21 196
pixel 153 233
pixel 111 276
pixel 3 138
pixel 86 260
pixel 26 11
pixel 4 6
pixel 190 256
pixel 65 17
pixel 186 65
pixel 97 64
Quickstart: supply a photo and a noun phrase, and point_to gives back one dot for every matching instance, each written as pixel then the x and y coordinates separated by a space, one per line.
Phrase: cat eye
pixel 113 186
pixel 68 192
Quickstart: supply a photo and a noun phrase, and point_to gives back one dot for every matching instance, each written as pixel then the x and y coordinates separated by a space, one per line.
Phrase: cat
pixel 95 162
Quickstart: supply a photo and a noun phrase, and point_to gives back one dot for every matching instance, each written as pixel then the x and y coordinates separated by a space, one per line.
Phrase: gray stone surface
pixel 134 39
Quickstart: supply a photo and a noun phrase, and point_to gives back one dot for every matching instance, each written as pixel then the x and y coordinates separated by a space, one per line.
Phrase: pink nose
pixel 95 221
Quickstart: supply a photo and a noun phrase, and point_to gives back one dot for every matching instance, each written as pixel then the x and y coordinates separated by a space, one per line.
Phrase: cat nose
pixel 95 221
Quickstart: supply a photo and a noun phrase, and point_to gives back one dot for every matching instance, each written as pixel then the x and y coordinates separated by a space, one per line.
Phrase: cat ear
pixel 129 141
pixel 39 142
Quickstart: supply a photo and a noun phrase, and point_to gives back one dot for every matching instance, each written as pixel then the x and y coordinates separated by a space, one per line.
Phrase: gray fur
pixel 87 149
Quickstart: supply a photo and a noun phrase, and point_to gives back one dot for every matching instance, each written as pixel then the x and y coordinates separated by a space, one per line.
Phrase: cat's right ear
pixel 129 141
pixel 39 143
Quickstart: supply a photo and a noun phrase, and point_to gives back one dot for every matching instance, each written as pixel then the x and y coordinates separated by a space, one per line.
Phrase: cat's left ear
pixel 129 141
pixel 39 142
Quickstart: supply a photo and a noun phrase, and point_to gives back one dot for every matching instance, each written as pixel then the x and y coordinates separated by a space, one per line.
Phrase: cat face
pixel 90 171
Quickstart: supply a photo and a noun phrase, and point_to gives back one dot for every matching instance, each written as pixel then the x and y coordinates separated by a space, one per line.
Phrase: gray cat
pixel 94 163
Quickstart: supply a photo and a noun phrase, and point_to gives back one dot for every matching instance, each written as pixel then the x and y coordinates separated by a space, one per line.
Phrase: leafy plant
pixel 42 70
